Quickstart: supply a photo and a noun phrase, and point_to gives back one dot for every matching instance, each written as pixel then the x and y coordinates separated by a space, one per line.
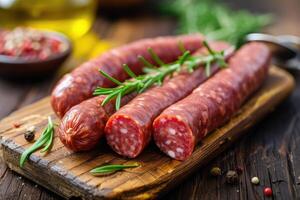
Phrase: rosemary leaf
pixel 208 48
pixel 146 85
pixel 111 168
pixel 50 138
pixel 109 97
pixel 118 101
pixel 155 57
pixel 184 57
pixel 207 69
pixel 145 62
pixel 101 91
pixel 149 70
pixel 110 77
pixel 181 47
pixel 45 140
pixel 129 71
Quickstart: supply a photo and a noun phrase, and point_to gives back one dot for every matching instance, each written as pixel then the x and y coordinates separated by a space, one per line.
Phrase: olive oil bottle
pixel 72 17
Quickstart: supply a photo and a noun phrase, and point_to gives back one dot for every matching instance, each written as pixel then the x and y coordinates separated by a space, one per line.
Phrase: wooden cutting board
pixel 67 173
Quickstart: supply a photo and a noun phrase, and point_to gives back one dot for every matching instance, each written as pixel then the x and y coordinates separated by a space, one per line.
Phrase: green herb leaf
pixel 45 141
pixel 118 101
pixel 111 168
pixel 110 77
pixel 184 57
pixel 181 47
pixel 128 71
pixel 214 19
pixel 155 57
pixel 207 69
pixel 145 62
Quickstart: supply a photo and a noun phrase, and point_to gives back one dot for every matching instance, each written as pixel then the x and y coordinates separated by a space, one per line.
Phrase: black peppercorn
pixel 215 171
pixel 29 134
pixel 232 177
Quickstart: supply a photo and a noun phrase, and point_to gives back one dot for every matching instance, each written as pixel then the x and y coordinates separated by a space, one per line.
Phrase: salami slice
pixel 79 85
pixel 128 131
pixel 179 127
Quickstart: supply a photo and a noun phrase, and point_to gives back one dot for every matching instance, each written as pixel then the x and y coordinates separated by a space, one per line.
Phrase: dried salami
pixel 79 85
pixel 181 126
pixel 128 131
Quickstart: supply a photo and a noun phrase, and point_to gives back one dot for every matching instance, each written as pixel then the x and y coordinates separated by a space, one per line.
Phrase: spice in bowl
pixel 29 44
pixel 26 52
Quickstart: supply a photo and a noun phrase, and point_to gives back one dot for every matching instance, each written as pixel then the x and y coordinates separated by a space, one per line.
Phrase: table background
pixel 270 150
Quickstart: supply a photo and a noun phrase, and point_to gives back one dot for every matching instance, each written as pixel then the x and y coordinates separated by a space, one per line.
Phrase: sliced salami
pixel 128 131
pixel 181 126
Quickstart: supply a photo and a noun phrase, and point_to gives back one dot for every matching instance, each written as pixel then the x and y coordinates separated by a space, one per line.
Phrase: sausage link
pixel 83 125
pixel 128 131
pixel 179 127
pixel 79 85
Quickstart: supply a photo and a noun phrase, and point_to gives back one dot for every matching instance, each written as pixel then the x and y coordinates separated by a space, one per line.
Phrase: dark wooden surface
pixel 68 172
pixel 270 151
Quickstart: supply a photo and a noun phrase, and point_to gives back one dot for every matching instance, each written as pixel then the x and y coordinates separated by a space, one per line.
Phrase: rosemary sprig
pixel 214 19
pixel 105 169
pixel 45 141
pixel 156 75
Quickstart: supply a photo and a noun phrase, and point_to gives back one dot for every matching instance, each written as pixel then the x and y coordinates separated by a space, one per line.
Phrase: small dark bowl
pixel 18 67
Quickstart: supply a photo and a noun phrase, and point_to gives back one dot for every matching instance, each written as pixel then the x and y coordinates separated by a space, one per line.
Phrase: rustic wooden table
pixel 269 150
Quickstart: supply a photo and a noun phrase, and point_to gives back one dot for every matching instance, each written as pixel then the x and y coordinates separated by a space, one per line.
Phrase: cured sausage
pixel 79 85
pixel 128 131
pixel 83 125
pixel 179 127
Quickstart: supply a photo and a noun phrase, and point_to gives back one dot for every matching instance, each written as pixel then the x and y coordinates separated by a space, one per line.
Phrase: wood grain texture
pixel 68 173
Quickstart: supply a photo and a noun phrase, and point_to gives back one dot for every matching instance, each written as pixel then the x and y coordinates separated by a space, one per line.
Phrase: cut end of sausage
pixel 174 137
pixel 124 136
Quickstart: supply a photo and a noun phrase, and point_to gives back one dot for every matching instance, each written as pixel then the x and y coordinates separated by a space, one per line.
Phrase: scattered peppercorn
pixel 29 134
pixel 16 124
pixel 255 180
pixel 239 170
pixel 268 192
pixel 30 129
pixel 215 171
pixel 232 177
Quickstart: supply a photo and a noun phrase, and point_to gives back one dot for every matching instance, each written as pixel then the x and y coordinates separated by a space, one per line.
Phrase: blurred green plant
pixel 214 19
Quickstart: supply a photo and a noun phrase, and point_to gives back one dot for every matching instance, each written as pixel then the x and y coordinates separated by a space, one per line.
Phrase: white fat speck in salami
pixel 179 150
pixel 171 131
pixel 171 154
pixel 123 130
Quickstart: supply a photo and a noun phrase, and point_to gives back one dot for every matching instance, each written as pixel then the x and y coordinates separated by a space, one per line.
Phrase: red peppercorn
pixel 16 124
pixel 268 192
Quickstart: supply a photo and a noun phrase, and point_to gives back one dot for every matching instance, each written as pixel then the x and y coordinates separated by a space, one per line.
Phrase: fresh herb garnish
pixel 111 168
pixel 214 19
pixel 45 141
pixel 156 75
